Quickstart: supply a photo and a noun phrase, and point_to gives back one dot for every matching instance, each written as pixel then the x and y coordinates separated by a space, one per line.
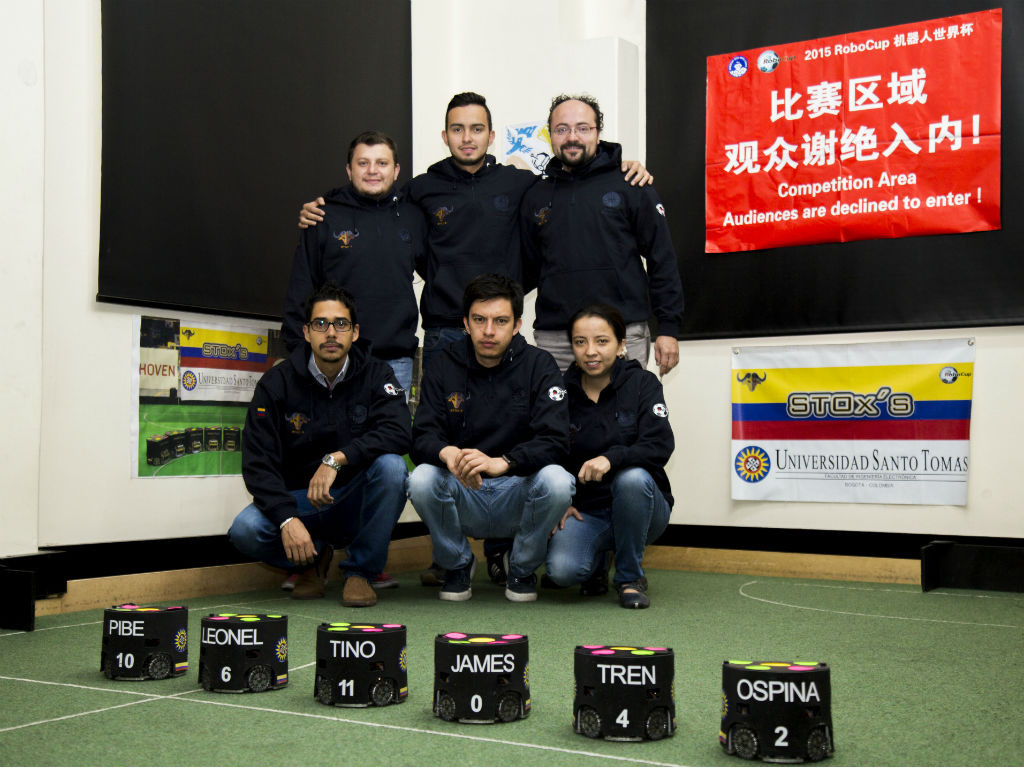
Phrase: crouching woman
pixel 620 441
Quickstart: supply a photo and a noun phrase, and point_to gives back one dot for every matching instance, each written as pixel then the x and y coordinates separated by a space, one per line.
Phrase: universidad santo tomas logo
pixel 752 464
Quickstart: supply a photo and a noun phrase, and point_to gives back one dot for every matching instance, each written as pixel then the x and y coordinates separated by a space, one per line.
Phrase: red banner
pixel 885 133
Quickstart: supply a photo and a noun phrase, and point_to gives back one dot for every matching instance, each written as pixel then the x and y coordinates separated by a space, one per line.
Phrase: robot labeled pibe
pixel 144 643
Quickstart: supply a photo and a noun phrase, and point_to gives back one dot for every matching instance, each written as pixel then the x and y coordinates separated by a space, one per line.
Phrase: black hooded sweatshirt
pixel 515 409
pixel 473 228
pixel 628 425
pixel 584 233
pixel 371 248
pixel 293 420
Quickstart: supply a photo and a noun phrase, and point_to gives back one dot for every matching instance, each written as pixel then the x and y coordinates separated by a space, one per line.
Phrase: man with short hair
pixel 370 241
pixel 322 455
pixel 471 204
pixel 586 236
pixel 490 431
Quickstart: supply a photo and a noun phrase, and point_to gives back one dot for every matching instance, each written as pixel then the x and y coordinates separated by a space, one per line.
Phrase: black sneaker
pixel 597 583
pixel 432 576
pixel 521 590
pixel 458 584
pixel 636 599
pixel 497 567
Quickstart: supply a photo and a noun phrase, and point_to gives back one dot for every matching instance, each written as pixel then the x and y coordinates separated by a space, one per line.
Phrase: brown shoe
pixel 358 593
pixel 311 582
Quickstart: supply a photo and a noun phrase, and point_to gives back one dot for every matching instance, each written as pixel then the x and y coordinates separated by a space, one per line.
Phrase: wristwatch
pixel 510 461
pixel 329 460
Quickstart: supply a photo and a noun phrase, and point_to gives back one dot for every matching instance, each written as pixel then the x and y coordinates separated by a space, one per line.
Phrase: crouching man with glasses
pixel 322 456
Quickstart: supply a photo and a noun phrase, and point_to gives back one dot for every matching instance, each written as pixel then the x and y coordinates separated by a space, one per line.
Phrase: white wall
pixel 506 51
pixel 64 466
pixel 21 270
pixel 86 494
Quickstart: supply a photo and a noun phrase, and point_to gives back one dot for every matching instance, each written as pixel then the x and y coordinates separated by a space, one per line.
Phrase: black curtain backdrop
pixel 935 281
pixel 219 120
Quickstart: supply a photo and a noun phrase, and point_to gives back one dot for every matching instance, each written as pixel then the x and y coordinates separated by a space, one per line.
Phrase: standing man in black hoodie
pixel 471 202
pixel 586 235
pixel 370 241
pixel 490 431
pixel 322 455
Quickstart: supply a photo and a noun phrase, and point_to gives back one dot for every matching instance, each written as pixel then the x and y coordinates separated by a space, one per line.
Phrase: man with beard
pixel 370 241
pixel 322 455
pixel 586 235
pixel 471 203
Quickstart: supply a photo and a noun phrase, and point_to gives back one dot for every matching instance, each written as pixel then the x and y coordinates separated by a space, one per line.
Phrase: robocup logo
pixel 768 61
pixel 948 375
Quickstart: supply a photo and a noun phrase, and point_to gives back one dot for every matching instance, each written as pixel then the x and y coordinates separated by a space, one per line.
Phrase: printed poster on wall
pixel 884 423
pixel 193 383
pixel 885 133
pixel 221 362
pixel 527 146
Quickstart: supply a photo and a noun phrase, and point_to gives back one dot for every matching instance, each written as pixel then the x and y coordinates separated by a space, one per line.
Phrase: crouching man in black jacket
pixel 490 433
pixel 322 455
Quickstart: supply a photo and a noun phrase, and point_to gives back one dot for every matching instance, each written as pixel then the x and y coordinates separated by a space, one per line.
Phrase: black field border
pixel 56 565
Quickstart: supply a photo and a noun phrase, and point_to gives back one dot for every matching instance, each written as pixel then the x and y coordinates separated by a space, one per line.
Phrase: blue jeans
pixel 436 339
pixel 522 508
pixel 638 515
pixel 402 367
pixel 361 519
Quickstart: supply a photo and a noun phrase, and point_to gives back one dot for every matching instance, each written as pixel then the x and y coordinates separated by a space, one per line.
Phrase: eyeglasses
pixel 582 130
pixel 321 324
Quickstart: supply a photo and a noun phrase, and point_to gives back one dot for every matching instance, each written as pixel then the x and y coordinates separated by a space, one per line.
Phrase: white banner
pixel 885 423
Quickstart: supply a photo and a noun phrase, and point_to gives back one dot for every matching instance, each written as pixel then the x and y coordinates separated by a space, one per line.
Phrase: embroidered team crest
pixel 441 215
pixel 347 237
pixel 611 200
pixel 557 394
pixel 297 420
pixel 357 414
pixel 456 400
pixel 391 389
pixel 660 208
pixel 660 410
pixel 541 216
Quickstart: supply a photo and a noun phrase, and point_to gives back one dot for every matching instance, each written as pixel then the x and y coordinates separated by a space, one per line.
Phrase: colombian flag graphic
pixel 879 423
pixel 221 363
